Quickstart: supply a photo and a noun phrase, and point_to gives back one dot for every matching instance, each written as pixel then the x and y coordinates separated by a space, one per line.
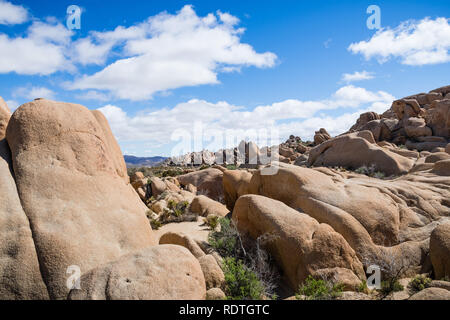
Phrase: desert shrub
pixel 212 221
pixel 241 283
pixel 391 285
pixel 319 289
pixel 371 172
pixel 226 241
pixel 363 287
pixel 156 224
pixel 172 173
pixel 420 282
pixel 402 146
pixel 231 167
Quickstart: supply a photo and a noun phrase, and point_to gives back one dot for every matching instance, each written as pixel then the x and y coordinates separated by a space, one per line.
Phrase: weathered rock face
pixel 208 182
pixel 235 184
pixel 356 150
pixel 432 294
pixel 205 207
pixel 321 136
pixel 300 244
pixel 5 114
pixel 440 250
pixel 163 272
pixel 382 220
pixel 438 118
pixel 73 189
pixel 20 278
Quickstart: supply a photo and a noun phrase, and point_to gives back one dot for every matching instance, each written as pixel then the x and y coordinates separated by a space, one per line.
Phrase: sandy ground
pixel 196 230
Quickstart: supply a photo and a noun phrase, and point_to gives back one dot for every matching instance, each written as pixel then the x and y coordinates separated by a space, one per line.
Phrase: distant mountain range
pixel 133 161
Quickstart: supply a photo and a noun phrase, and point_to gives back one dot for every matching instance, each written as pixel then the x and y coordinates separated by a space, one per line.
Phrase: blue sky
pixel 155 68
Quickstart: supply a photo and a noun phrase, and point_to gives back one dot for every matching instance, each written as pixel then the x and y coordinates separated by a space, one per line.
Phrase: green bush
pixel 212 221
pixel 390 286
pixel 231 167
pixel 156 224
pixel 240 282
pixel 420 282
pixel 318 289
pixel 226 240
pixel 363 287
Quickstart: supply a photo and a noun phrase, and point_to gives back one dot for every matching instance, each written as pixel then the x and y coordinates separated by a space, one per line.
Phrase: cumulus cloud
pixel 12 14
pixel 357 76
pixel 167 52
pixel 414 42
pixel 289 116
pixel 31 93
pixel 164 52
pixel 41 52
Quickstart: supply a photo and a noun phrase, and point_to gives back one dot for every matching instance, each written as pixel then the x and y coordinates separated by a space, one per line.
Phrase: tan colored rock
pixel 425 145
pixel 440 250
pixel 447 148
pixel 300 245
pixel 20 277
pixel 383 221
pixel 74 190
pixel 215 294
pixel 137 176
pixel 208 182
pixel 321 136
pixel 235 184
pixel 356 150
pixel 438 156
pixel 416 127
pixel 183 240
pixel 443 90
pixel 5 114
pixel 344 276
pixel 159 206
pixel 158 186
pixel 142 194
pixel 205 207
pixel 157 273
pixel 431 294
pixel 406 108
pixel 112 147
pixel 440 284
pixel 438 118
pixel 191 188
pixel 348 295
pixel 442 168
pixel 214 277
pixel 172 186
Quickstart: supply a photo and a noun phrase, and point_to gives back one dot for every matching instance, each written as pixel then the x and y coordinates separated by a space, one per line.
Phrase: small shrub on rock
pixel 420 282
pixel 226 240
pixel 241 283
pixel 389 286
pixel 319 289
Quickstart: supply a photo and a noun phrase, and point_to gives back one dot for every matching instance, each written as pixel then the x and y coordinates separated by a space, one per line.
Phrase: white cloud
pixel 289 116
pixel 12 104
pixel 32 93
pixel 41 52
pixel 167 52
pixel 414 43
pixel 357 76
pixel 12 14
pixel 94 95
